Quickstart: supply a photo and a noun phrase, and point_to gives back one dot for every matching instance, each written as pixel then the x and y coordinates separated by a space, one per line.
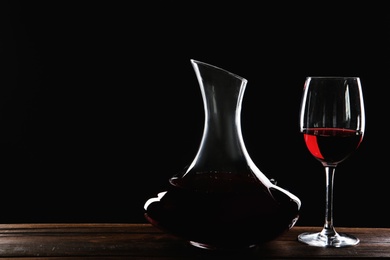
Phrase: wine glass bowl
pixel 332 121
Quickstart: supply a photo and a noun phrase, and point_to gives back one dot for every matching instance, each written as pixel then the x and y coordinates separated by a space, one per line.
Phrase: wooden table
pixel 143 241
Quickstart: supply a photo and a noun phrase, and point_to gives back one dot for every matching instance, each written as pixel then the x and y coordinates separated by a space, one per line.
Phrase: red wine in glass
pixel 332 145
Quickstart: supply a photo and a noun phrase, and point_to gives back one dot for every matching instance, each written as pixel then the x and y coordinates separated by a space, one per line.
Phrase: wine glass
pixel 332 121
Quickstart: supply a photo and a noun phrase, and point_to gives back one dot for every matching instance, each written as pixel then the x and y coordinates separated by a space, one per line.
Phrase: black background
pixel 99 104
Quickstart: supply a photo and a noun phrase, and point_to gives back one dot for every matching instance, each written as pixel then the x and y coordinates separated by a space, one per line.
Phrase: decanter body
pixel 222 200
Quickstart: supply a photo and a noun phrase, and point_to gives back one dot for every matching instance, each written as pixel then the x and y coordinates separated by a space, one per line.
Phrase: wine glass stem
pixel 328 229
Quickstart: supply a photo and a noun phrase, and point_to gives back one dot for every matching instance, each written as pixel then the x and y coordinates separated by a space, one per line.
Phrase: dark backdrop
pixel 100 106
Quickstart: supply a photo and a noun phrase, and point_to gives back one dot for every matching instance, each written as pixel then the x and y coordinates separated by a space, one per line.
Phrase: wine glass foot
pixel 320 240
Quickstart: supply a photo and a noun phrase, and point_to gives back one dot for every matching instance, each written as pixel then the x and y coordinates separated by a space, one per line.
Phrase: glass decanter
pixel 222 200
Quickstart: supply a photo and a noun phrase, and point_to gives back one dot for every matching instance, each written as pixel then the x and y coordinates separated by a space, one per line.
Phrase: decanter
pixel 222 200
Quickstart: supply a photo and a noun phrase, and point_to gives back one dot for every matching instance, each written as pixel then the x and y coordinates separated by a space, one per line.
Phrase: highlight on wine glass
pixel 332 121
